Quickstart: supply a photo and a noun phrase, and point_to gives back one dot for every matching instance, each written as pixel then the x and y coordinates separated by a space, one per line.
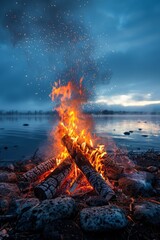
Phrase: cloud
pixel 128 100
pixel 108 42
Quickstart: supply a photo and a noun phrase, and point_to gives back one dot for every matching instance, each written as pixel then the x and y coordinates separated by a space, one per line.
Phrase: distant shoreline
pixel 104 112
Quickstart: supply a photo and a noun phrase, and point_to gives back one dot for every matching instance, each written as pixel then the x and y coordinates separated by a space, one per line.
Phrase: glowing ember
pixel 74 123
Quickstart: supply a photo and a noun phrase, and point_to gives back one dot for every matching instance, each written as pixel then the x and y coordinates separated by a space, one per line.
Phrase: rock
pixel 62 229
pixel 144 135
pixel 7 167
pixel 10 167
pixel 96 201
pixel 8 177
pixel 99 219
pixel 131 131
pixel 4 234
pixel 28 167
pixel 15 146
pixel 152 169
pixel 126 133
pixel 25 124
pixel 157 186
pixel 147 212
pixel 137 184
pixel 140 129
pixel 9 190
pixel 45 213
pixel 21 205
pixel 4 206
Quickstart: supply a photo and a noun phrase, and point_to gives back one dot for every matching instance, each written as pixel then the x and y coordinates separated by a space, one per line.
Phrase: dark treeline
pixel 40 112
pixel 103 112
pixel 111 112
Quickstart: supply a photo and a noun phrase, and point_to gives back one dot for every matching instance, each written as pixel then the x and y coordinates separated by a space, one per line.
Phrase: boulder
pixel 46 212
pixel 147 212
pixel 105 218
pixel 137 184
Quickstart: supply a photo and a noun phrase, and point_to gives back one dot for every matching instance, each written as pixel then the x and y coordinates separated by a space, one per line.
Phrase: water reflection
pixel 18 141
pixel 144 130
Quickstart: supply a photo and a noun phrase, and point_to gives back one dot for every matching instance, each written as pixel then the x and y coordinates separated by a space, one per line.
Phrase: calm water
pixel 18 141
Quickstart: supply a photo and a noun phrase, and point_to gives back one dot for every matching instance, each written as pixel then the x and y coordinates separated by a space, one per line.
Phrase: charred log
pixel 48 188
pixel 33 174
pixel 93 177
pixel 113 167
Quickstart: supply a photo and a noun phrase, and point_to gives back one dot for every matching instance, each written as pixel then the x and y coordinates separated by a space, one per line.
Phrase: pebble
pixel 126 133
pixel 8 177
pixel 23 204
pixel 28 167
pixel 7 167
pixel 9 190
pixel 46 212
pixel 148 212
pixel 152 169
pixel 62 229
pixel 4 206
pixel 96 201
pixel 105 218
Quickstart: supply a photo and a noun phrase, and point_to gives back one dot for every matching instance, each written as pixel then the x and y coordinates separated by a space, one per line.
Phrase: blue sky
pixel 113 44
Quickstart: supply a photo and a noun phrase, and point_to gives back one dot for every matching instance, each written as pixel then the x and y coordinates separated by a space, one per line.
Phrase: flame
pixel 74 123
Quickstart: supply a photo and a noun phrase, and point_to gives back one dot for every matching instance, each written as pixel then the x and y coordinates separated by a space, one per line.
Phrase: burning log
pixel 114 169
pixel 94 178
pixel 33 174
pixel 48 188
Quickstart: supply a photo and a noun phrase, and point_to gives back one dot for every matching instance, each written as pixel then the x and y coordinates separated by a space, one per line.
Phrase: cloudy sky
pixel 114 45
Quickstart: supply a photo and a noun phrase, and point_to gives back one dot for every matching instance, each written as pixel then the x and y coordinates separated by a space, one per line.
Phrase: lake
pixel 18 141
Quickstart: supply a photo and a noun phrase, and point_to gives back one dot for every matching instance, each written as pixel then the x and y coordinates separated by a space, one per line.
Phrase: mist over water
pixel 18 142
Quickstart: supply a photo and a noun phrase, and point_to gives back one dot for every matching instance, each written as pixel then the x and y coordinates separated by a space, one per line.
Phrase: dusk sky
pixel 114 45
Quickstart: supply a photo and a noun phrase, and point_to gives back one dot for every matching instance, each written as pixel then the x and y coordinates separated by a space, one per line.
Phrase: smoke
pixel 55 30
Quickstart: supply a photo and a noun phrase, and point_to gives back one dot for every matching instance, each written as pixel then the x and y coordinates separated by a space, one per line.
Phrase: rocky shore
pixel 133 214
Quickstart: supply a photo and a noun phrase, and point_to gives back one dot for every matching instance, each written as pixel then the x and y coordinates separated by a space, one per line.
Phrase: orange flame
pixel 75 124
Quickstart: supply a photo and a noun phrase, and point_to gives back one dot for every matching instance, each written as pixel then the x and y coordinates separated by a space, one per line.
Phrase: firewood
pixel 76 182
pixel 48 188
pixel 112 169
pixel 35 173
pixel 93 177
pixel 108 162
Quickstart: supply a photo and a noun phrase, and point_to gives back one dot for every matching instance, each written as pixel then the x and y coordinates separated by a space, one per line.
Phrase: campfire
pixel 81 162
pixel 83 187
